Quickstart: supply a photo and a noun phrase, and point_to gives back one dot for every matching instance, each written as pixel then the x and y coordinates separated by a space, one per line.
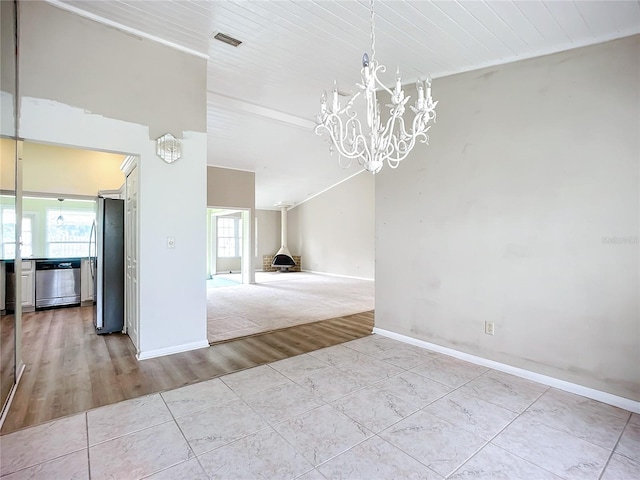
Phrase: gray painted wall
pixel 268 234
pixel 7 69
pixel 165 94
pixel 334 232
pixel 508 217
pixel 231 188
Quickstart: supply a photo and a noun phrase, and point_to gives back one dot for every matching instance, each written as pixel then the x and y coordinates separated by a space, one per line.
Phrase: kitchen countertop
pixel 40 259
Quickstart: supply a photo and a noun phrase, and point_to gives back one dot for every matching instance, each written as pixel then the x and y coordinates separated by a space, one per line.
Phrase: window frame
pixel 222 242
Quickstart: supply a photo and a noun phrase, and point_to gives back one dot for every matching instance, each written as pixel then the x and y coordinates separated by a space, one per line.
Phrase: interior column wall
pixel 268 237
pixel 113 91
pixel 227 188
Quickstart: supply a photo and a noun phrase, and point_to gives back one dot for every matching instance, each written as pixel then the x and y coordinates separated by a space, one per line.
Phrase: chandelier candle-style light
pixel 391 141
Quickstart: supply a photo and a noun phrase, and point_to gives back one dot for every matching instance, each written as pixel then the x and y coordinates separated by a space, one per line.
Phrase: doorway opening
pixel 228 247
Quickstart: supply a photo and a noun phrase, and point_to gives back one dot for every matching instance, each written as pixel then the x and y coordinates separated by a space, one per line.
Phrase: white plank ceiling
pixel 264 95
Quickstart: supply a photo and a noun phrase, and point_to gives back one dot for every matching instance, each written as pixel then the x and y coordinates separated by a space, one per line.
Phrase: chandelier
pixel 388 141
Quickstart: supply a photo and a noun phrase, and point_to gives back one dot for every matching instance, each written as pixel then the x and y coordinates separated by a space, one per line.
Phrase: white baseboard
pixel 615 400
pixel 12 393
pixel 160 352
pixel 337 275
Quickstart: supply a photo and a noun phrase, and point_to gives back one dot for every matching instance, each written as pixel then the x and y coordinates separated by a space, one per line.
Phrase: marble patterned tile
pixel 312 475
pixel 199 396
pixel 477 416
pixel 370 370
pixel 507 391
pixel 375 459
pixel 299 366
pixel 372 344
pixel 494 463
pixel 337 355
pixel 139 454
pixel 253 380
pixel 329 385
pixel 74 466
pixel 414 388
pixel 449 371
pixel 373 408
pixel 261 455
pixel 106 423
pixel 282 402
pixel 322 433
pixel 559 452
pixel 581 417
pixel 403 357
pixel 416 349
pixel 621 468
pixel 41 443
pixel 217 426
pixel 189 470
pixel 440 445
pixel 629 444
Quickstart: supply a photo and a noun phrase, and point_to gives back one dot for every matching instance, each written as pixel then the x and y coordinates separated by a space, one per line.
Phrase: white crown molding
pixel 124 28
pixel 327 189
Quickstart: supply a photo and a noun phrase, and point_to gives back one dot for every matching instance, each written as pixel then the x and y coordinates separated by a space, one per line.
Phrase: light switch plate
pixel 171 242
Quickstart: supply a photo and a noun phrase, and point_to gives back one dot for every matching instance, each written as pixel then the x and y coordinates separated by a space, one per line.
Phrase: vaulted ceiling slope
pixel 264 95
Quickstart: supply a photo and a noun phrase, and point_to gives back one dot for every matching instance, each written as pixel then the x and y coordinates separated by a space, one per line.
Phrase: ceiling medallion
pixel 169 148
pixel 390 141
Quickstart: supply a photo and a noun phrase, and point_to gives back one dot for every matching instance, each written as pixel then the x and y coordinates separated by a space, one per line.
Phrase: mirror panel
pixel 8 156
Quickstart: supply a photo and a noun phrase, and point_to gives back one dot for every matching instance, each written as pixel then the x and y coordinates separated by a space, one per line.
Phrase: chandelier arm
pixel 340 161
pixel 384 141
pixel 377 81
pixel 420 126
pixel 349 105
pixel 338 142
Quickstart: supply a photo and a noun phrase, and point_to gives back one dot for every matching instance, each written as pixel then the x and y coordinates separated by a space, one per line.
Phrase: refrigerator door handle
pixel 91 266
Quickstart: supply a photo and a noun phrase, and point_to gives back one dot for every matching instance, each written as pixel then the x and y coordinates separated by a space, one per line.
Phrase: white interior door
pixel 131 256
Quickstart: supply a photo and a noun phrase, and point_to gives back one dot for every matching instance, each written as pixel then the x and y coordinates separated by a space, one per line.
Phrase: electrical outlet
pixel 171 242
pixel 488 328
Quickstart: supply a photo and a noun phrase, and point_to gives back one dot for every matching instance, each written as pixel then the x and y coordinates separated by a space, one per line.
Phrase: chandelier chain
pixel 373 31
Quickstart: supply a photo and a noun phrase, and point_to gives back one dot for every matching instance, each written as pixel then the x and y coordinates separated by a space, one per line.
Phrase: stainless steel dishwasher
pixel 57 282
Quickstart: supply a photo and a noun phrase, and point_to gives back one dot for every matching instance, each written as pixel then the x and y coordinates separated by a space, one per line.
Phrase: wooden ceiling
pixel 264 95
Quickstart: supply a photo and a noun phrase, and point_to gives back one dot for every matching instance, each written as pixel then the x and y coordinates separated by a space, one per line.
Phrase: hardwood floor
pixel 70 369
pixel 7 356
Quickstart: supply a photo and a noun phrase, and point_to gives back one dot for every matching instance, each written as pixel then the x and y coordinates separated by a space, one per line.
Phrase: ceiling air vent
pixel 234 42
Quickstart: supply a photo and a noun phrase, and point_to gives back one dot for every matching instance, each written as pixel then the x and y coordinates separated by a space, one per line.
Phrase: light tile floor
pixel 372 408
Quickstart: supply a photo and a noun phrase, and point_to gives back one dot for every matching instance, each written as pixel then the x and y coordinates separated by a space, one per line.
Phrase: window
pixel 229 236
pixel 69 238
pixel 9 234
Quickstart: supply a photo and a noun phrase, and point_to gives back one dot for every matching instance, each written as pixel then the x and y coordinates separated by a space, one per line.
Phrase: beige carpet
pixel 280 300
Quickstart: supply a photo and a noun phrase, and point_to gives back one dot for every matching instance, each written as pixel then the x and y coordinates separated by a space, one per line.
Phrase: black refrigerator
pixel 108 274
